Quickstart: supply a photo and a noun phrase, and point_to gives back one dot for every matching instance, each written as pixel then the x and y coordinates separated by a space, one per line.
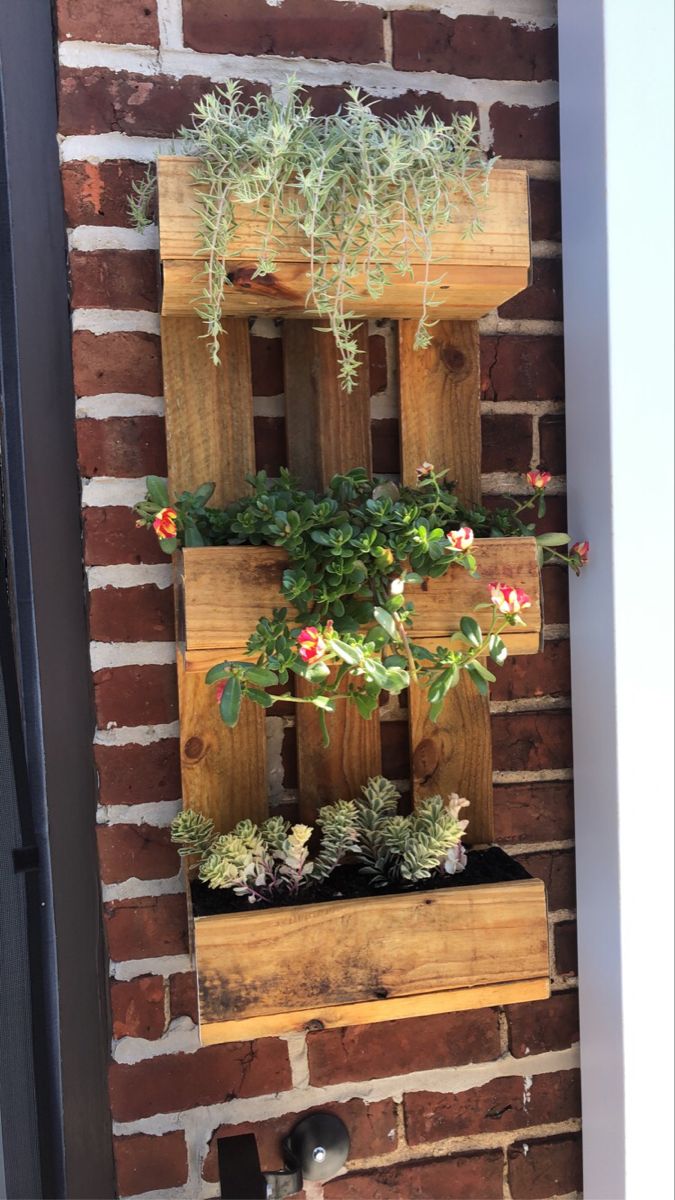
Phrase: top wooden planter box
pixel 478 272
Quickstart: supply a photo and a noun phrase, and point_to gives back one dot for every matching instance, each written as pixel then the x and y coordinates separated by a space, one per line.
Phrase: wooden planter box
pixel 353 962
pixel 478 272
pixel 223 591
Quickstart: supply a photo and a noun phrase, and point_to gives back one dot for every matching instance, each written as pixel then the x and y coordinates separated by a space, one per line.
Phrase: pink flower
pixel 580 550
pixel 456 859
pixel 507 599
pixel 538 479
pixel 460 539
pixel 220 688
pixel 312 644
pixel 164 523
pixel 424 471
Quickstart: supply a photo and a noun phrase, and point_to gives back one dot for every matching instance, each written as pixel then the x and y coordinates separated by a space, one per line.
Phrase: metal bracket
pixel 316 1148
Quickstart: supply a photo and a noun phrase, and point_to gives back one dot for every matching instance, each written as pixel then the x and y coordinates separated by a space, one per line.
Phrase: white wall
pixel 616 127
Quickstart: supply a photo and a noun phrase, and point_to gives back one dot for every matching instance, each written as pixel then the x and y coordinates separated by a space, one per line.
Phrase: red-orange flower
pixel 220 688
pixel 581 551
pixel 461 539
pixel 164 523
pixel 312 645
pixel 538 479
pixel 507 599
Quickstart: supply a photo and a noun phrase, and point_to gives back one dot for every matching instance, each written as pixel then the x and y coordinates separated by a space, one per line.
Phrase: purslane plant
pixel 272 860
pixel 352 552
pixel 366 191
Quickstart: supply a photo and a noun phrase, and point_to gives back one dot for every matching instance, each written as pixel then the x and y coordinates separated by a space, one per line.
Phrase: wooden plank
pixel 370 1011
pixel 328 433
pixel 271 962
pixel 504 241
pixel 226 589
pixel 209 419
pixel 440 423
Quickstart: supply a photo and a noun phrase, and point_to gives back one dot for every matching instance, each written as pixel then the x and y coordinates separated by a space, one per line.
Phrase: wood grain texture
pixel 455 753
pixel 263 963
pixel 328 433
pixel 209 427
pixel 337 1016
pixel 226 589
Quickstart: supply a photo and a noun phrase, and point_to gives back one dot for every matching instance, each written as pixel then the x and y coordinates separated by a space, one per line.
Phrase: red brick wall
pixel 482 1104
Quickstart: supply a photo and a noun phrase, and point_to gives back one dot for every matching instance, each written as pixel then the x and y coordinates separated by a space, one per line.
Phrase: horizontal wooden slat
pixel 349 952
pixel 370 1011
pixel 226 589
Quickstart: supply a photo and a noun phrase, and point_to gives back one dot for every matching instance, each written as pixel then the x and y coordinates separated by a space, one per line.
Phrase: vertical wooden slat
pixel 440 423
pixel 328 432
pixel 209 429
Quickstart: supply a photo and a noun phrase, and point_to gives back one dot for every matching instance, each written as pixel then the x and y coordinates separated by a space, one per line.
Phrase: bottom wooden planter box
pixel 351 962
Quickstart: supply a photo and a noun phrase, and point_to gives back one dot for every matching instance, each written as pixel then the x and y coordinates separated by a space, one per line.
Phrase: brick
pixel 372 1130
pixel 396 1048
pixel 114 279
pixel 523 132
pixel 547 1167
pixel 502 1105
pixel 462 1177
pixel 183 1001
pixel 111 536
pixel 556 868
pixel 543 1025
pixel 327 99
pixel 116 362
pixel 532 741
pixel 385 436
pixel 138 1007
pixel 554 519
pixel 545 210
pixel 270 444
pixel 133 774
pixel 472 46
pixel 135 695
pixel 301 29
pixel 98 193
pixel 395 749
pixel 148 927
pixel 555 582
pixel 533 812
pixel 522 368
pixel 97 100
pixel 145 1162
pixel 565 943
pixel 267 366
pixel 552 443
pixel 543 299
pixel 135 852
pixel 506 442
pixel 212 1075
pixel 377 363
pixel 544 674
pixel 133 21
pixel 135 614
pixel 121 447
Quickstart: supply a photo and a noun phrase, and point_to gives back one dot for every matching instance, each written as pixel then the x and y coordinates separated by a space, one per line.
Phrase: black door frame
pixel 42 504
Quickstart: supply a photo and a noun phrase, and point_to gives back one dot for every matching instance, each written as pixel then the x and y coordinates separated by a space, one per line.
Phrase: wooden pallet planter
pixel 479 273
pixel 383 957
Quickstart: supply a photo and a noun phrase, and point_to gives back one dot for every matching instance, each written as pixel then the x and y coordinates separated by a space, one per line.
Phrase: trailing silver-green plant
pixel 367 191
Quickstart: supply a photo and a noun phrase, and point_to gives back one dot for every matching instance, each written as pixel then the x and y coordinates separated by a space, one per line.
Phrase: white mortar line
pixel 159 813
pixel 129 575
pixel 530 704
pixel 512 482
pixel 103 491
pixel 527 408
pixel 447 1080
pixel 100 147
pixel 298 1056
pixel 493 323
pixel 537 168
pixel 546 249
pixel 170 21
pixel 120 404
pixel 267 327
pixel 113 237
pixel 115 320
pixel 268 406
pixel 538 847
pixel 554 633
pixel 182 1037
pixel 137 735
pixel 540 13
pixel 560 775
pixel 169 964
pixel 463 1144
pixel 378 79
pixel 134 888
pixel 131 654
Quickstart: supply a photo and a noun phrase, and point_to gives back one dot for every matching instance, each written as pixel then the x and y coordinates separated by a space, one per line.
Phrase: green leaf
pixel 203 494
pixel 230 702
pixel 553 539
pixel 259 697
pixel 498 650
pixel 395 660
pixel 366 703
pixel 349 654
pixel 168 545
pixel 326 703
pixel 478 668
pixel 387 622
pixel 317 672
pixel 471 630
pixel 157 491
pixel 261 676
pixel 479 683
pixel 397 680
pixel 376 671
pixel 221 671
pixel 193 537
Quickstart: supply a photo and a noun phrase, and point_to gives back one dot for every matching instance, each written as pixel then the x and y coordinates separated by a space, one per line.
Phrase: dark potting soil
pixel 347 883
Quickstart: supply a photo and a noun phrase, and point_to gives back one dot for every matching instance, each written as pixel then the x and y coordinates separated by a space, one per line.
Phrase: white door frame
pixel 616 164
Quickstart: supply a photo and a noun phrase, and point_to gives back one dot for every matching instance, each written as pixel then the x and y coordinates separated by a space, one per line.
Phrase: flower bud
pixel 538 479
pixel 460 539
pixel 507 599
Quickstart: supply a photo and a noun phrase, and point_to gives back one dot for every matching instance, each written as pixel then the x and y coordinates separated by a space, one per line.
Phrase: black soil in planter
pixel 347 883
